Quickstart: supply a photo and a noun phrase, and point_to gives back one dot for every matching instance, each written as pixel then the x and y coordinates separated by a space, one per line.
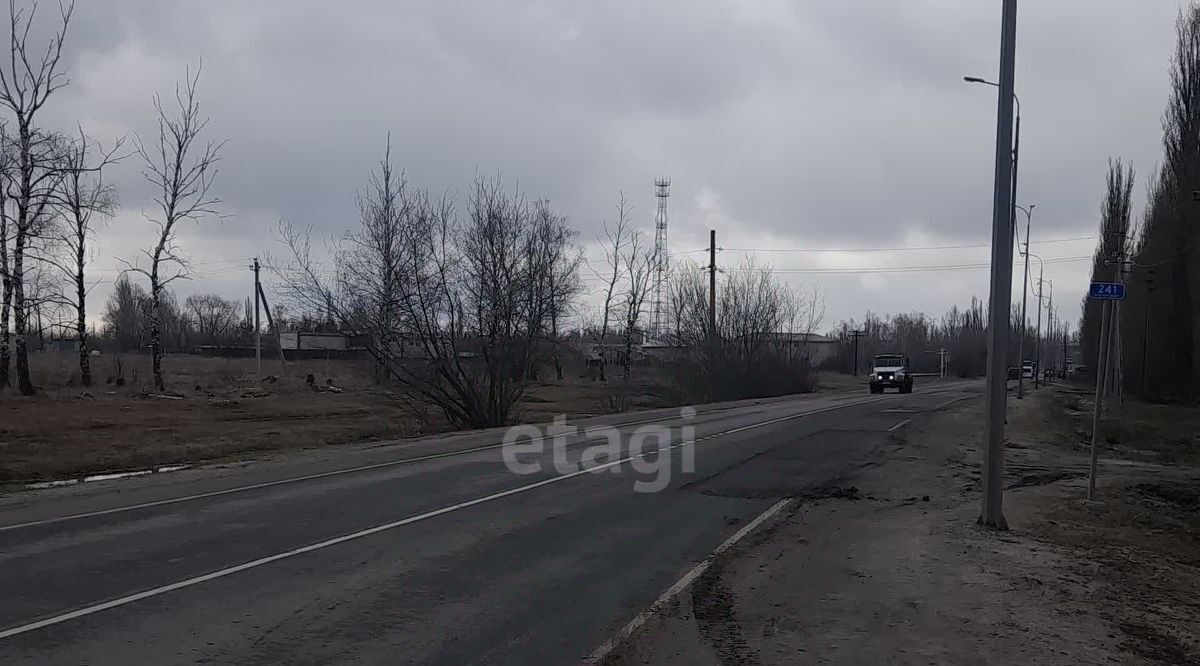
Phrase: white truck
pixel 890 371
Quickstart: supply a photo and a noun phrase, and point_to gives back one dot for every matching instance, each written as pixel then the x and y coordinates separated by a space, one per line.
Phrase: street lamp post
pixel 1016 151
pixel 1024 299
pixel 1000 287
pixel 1037 344
pixel 1016 160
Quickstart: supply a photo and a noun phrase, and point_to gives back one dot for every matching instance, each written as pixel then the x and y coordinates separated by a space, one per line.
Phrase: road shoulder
pixel 897 571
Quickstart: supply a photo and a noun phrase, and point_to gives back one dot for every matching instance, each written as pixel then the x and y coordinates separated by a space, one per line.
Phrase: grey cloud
pixel 831 123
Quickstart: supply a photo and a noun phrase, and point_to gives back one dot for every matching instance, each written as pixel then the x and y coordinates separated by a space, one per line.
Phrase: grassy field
pixel 217 408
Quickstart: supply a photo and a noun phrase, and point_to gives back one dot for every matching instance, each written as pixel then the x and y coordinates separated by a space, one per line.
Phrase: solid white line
pixel 96 608
pixel 297 551
pixel 682 584
pixel 899 425
pixel 281 482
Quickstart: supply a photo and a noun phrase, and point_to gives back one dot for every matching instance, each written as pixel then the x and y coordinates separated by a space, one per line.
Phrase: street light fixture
pixel 1016 150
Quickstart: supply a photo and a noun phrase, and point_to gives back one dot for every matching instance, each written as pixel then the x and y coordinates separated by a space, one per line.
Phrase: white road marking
pixel 281 482
pixel 682 584
pixel 950 402
pixel 899 425
pixel 146 594
pixel 311 477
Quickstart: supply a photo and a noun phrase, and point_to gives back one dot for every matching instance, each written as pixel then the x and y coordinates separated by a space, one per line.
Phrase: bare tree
pixel 181 169
pixel 28 78
pixel 215 319
pixel 467 299
pixel 82 198
pixel 370 258
pixel 6 291
pixel 687 304
pixel 616 239
pixel 124 315
pixel 554 263
pixel 639 262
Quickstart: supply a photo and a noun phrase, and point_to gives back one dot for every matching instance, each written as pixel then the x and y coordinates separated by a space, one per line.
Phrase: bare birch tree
pixel 180 167
pixel 83 199
pixel 28 78
pixel 6 291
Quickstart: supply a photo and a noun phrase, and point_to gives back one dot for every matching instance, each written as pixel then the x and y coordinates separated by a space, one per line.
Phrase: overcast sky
pixel 783 125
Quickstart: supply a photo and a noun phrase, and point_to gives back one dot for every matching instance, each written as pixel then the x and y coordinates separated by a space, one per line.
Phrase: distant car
pixel 890 371
pixel 1027 370
pixel 1014 372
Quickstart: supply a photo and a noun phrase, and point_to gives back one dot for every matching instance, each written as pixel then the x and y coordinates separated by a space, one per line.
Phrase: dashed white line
pixel 899 425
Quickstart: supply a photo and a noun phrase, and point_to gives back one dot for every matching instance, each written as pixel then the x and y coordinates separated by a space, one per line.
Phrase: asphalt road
pixel 415 553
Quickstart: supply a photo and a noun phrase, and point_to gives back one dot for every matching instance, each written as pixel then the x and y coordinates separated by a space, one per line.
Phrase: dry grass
pixel 1139 431
pixel 217 408
pixel 1140 550
pixel 1137 551
pixel 222 410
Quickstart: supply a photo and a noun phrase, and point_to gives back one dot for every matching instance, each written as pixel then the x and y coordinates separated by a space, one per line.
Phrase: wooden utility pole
pixel 257 328
pixel 712 285
pixel 856 335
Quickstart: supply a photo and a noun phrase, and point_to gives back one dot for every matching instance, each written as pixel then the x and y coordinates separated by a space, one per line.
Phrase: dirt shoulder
pixel 899 573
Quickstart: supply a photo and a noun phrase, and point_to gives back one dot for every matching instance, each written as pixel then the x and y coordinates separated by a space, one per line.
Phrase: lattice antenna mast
pixel 662 191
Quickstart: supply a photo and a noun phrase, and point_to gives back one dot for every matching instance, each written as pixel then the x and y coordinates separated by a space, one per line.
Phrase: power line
pixel 900 269
pixel 897 249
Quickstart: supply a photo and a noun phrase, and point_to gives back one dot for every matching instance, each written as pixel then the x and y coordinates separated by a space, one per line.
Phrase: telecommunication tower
pixel 662 191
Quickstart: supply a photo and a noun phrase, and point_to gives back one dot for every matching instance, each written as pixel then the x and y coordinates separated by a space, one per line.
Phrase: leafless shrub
pixel 452 309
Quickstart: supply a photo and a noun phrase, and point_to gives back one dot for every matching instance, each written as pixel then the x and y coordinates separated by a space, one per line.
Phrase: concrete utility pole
pixel 992 511
pixel 1025 284
pixel 1149 282
pixel 1050 327
pixel 712 285
pixel 266 306
pixel 257 328
pixel 942 353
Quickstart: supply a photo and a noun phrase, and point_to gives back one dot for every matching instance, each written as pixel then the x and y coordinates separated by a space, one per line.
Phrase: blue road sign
pixel 1107 291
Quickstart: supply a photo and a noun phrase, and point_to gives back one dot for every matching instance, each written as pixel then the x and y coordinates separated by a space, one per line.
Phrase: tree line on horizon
pixel 1156 336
